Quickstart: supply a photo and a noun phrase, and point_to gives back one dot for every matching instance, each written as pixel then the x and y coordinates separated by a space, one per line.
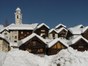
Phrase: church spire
pixel 18 16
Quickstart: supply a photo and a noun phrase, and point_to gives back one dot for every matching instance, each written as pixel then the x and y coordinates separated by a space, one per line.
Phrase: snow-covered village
pixel 39 45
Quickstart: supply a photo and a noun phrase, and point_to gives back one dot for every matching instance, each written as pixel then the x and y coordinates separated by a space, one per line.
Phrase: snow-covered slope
pixel 24 58
pixel 70 57
pixel 66 57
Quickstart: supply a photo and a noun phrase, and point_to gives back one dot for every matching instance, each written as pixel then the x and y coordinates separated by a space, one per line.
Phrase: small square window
pixel 42 30
pixel 15 37
pixel 80 46
pixel 27 32
pixel 22 32
pixel 34 43
pixel 5 33
pixel 40 50
pixel 15 41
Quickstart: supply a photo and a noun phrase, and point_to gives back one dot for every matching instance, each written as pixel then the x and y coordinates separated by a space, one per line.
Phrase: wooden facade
pixel 55 48
pixel 63 33
pixel 61 26
pixel 34 45
pixel 80 45
pixel 85 34
pixel 53 34
pixel 69 34
pixel 21 34
pixel 24 33
pixel 42 31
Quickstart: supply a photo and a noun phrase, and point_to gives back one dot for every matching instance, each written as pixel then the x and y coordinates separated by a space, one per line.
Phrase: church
pixel 41 39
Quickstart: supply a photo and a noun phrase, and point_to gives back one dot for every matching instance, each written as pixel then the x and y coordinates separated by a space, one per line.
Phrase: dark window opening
pixel 15 41
pixel 17 16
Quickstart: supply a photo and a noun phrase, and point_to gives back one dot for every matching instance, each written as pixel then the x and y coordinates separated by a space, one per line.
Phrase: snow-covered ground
pixel 70 57
pixel 66 57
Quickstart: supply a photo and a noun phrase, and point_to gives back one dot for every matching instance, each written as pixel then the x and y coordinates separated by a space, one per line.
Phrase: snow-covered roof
pixel 63 41
pixel 42 24
pixel 10 42
pixel 60 25
pixel 3 29
pixel 75 30
pixel 30 37
pixel 52 30
pixel 3 37
pixel 85 28
pixel 76 38
pixel 48 40
pixel 18 9
pixel 79 26
pixel 59 30
pixel 22 26
pixel 13 44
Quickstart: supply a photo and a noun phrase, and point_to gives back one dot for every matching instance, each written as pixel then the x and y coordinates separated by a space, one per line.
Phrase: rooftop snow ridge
pixel 40 25
pixel 74 39
pixel 31 36
pixel 22 26
pixel 60 25
pixel 52 30
pixel 63 41
pixel 75 30
pixel 79 26
pixel 59 30
pixel 3 37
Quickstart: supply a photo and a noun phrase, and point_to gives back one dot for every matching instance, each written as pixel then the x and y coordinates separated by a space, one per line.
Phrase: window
pixel 53 36
pixel 43 35
pixel 42 30
pixel 15 41
pixel 34 43
pixel 5 33
pixel 80 47
pixel 27 32
pixel 21 32
pixel 40 50
pixel 17 16
pixel 15 37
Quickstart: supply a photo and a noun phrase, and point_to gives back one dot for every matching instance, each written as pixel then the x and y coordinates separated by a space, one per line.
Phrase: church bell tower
pixel 18 16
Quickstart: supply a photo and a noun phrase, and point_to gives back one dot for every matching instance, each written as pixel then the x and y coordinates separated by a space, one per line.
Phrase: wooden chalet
pixel 62 32
pixel 34 44
pixel 53 34
pixel 5 32
pixel 42 30
pixel 18 32
pixel 79 43
pixel 60 26
pixel 4 44
pixel 56 45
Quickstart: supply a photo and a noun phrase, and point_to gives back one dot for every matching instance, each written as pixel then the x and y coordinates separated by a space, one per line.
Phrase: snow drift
pixel 66 57
pixel 71 57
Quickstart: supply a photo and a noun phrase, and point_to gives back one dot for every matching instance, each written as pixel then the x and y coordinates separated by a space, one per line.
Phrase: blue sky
pixel 51 12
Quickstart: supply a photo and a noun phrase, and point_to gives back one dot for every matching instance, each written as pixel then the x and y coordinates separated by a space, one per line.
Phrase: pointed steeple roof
pixel 18 9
